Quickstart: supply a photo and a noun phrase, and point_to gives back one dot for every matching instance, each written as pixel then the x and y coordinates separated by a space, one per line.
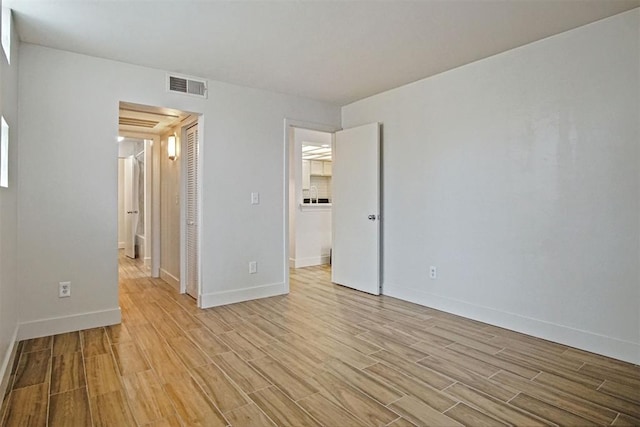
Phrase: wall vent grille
pixel 186 85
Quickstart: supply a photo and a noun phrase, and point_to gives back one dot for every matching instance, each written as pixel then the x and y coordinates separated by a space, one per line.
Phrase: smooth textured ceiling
pixel 335 51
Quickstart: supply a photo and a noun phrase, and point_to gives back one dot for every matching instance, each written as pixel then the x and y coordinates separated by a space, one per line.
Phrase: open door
pixel 356 208
pixel 131 171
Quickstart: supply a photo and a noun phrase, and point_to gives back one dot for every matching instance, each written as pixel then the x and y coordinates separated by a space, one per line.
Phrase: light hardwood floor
pixel 323 355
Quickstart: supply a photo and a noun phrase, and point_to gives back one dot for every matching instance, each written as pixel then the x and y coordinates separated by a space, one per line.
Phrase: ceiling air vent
pixel 186 85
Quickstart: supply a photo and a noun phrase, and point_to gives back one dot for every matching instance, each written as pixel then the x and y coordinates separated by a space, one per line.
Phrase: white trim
pixel 288 144
pixel 170 279
pixel 7 362
pixel 315 207
pixel 239 295
pixel 75 322
pixel 121 245
pixel 311 261
pixel 611 347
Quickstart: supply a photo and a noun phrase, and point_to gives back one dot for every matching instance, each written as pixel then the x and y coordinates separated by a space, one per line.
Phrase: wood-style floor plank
pixel 548 412
pixel 28 406
pixel 322 355
pixel 118 333
pixel 420 413
pixel 33 369
pixel 37 344
pixel 328 413
pixel 282 410
pixel 220 389
pixel 94 342
pixel 589 394
pixel 409 386
pixel 67 372
pixel 147 399
pixel 493 407
pixel 129 358
pixel 70 409
pixel 192 404
pixel 247 378
pixel 66 343
pixel 248 416
pixel 365 382
pixel 291 384
pixel 102 375
pixel 468 416
pixel 353 400
pixel 420 372
pixel 553 396
pixel 111 409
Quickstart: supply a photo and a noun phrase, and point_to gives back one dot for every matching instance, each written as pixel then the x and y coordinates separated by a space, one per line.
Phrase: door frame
pixel 288 154
pixel 197 119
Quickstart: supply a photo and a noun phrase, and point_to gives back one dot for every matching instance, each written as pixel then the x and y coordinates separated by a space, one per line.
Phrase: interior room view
pixel 320 213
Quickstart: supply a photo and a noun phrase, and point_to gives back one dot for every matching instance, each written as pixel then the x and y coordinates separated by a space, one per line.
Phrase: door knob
pixel 372 217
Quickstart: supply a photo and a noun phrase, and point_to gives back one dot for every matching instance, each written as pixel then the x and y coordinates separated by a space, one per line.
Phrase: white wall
pixel 170 210
pixel 9 216
pixel 312 231
pixel 68 169
pixel 517 176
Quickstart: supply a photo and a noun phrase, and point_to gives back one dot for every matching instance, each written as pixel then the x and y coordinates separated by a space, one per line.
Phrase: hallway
pixel 323 355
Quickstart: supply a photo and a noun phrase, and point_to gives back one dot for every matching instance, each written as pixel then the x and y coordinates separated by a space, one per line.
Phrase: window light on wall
pixel 4 153
pixel 5 32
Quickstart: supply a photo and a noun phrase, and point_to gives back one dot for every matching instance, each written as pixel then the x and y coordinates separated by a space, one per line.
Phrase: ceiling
pixel 315 152
pixel 138 118
pixel 333 51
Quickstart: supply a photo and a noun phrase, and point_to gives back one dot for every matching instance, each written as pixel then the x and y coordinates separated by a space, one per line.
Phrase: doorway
pixel 353 206
pixel 134 199
pixel 311 191
pixel 171 178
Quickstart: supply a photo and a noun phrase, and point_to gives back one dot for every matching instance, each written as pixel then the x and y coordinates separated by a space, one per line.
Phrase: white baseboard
pixel 147 263
pixel 121 245
pixel 76 322
pixel 170 279
pixel 239 295
pixel 292 263
pixel 7 362
pixel 311 261
pixel 584 340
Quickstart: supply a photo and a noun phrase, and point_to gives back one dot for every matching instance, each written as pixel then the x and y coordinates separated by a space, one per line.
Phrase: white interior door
pixel 191 213
pixel 356 208
pixel 130 205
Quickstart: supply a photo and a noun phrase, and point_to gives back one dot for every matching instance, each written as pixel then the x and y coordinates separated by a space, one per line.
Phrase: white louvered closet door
pixel 191 212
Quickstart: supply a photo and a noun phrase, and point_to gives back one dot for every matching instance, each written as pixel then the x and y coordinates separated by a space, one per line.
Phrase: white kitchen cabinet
pixel 326 168
pixel 316 167
pixel 320 168
pixel 306 175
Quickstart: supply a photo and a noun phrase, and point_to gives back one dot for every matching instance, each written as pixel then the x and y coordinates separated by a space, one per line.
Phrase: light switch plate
pixel 255 198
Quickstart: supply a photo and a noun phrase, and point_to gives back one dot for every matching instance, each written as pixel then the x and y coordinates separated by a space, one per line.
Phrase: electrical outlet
pixel 433 272
pixel 255 198
pixel 64 289
pixel 253 267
